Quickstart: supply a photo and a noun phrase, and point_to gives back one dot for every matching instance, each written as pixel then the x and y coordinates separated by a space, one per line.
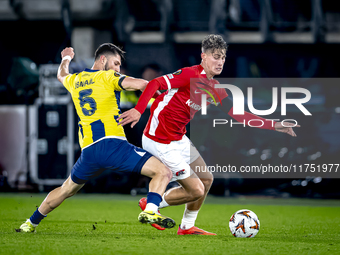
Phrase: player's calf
pixel 207 182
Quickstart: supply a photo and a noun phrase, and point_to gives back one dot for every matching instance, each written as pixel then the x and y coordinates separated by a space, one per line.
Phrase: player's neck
pixel 209 76
pixel 96 66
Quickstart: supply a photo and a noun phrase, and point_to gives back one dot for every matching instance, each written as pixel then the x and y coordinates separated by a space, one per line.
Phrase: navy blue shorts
pixel 108 154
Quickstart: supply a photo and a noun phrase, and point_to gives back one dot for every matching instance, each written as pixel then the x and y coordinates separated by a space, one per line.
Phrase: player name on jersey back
pixel 80 84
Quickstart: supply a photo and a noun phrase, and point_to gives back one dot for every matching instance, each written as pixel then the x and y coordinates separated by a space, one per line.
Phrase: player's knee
pixel 165 172
pixel 207 182
pixel 66 193
pixel 67 190
pixel 156 169
pixel 197 192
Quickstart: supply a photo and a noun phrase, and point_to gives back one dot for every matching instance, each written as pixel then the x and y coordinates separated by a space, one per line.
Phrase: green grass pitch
pixel 107 224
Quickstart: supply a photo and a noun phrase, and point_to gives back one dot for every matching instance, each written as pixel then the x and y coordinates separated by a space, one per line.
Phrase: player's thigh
pixel 150 146
pixel 86 166
pixel 171 156
pixel 200 168
pixel 125 157
pixel 196 161
pixel 70 188
pixel 109 154
pixel 154 166
pixel 189 151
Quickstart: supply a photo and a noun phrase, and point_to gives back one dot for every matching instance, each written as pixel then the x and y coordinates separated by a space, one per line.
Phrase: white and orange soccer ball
pixel 244 223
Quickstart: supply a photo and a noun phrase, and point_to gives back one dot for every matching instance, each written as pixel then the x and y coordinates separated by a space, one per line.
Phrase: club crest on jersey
pixel 177 72
pixel 117 74
pixel 178 173
pixel 210 91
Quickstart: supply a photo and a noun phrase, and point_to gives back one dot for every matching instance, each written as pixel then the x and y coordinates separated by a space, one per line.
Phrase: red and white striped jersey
pixel 172 110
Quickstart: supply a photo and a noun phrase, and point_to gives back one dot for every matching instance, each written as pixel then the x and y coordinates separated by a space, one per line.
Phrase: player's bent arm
pixel 285 127
pixel 132 84
pixel 147 94
pixel 133 115
pixel 67 55
pixel 227 107
pixel 157 93
pixel 63 70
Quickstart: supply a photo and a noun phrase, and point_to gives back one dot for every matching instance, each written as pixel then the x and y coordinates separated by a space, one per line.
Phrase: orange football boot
pixel 194 231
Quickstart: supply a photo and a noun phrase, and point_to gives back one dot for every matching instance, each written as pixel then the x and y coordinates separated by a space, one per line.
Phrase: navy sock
pixel 36 217
pixel 154 198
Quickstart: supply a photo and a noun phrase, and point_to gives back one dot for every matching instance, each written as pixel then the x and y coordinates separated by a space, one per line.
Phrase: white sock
pixel 151 207
pixel 189 218
pixel 34 225
pixel 163 203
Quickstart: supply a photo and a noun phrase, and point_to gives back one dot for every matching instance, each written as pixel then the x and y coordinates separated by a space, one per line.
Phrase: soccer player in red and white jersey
pixel 164 136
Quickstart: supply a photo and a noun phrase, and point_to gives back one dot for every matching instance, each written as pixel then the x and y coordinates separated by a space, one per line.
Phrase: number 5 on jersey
pixel 85 99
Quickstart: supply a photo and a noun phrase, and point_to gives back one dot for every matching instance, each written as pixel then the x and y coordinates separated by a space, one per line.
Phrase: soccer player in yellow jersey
pixel 96 93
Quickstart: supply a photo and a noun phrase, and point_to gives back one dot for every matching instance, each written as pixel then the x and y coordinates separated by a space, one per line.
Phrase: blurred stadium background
pixel 267 38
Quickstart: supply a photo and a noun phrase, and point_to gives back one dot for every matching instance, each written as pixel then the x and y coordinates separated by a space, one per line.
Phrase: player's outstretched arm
pixel 67 55
pixel 132 84
pixel 284 127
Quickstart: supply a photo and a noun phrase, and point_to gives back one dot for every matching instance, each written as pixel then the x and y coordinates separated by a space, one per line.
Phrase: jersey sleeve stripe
pixel 160 107
pixel 167 81
pixel 121 79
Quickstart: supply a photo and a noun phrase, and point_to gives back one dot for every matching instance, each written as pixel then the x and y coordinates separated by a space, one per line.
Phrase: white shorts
pixel 176 156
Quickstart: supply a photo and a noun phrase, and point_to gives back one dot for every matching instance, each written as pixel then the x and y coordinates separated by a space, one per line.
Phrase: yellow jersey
pixel 96 97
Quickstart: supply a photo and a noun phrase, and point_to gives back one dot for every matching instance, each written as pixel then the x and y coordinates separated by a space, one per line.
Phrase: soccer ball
pixel 244 223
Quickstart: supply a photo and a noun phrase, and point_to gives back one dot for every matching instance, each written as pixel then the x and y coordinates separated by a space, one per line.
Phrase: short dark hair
pixel 108 49
pixel 214 42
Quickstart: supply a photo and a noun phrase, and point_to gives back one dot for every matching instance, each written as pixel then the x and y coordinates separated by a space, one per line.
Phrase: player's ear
pixel 203 56
pixel 103 59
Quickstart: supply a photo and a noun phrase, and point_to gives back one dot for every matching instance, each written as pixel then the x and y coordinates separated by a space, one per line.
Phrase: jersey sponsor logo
pixel 194 106
pixel 80 84
pixel 181 172
pixel 177 72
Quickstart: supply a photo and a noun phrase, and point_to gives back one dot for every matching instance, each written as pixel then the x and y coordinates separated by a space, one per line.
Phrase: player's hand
pixel 131 116
pixel 287 127
pixel 67 52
